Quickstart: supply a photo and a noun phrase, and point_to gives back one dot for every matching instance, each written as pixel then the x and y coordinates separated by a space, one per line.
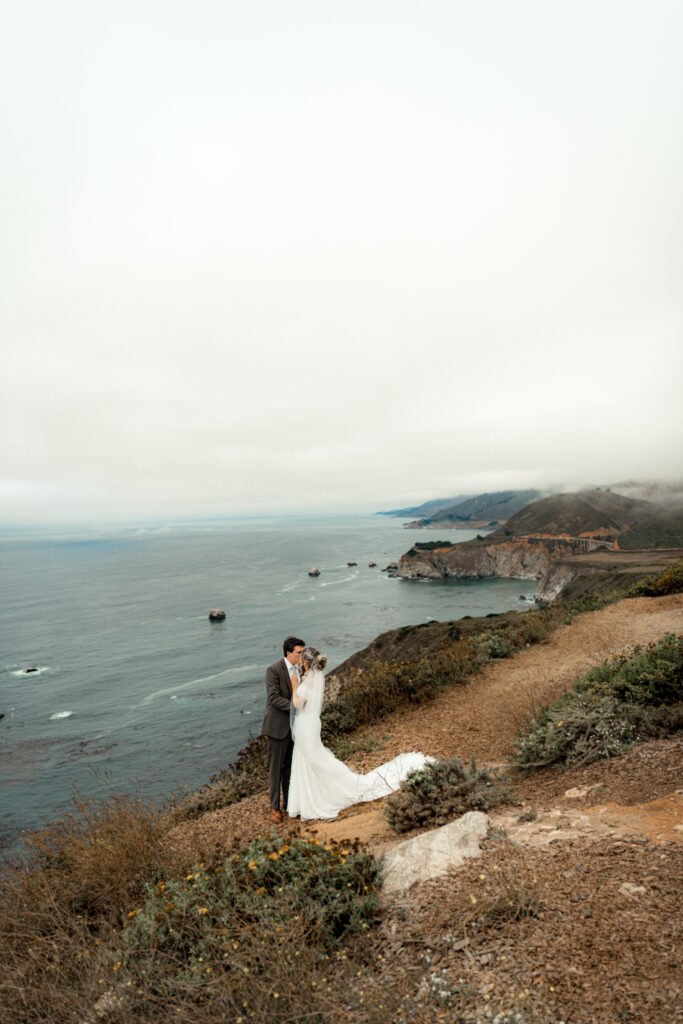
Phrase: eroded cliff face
pixel 525 557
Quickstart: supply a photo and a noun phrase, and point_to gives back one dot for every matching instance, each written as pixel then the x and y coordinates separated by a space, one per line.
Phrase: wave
pixel 347 579
pixel 287 587
pixel 61 714
pixel 173 690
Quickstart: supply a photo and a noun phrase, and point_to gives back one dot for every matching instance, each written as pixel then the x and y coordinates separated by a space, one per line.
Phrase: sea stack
pixel 216 615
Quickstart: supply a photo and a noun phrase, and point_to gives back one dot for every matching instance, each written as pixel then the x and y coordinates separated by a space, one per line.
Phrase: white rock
pixel 629 889
pixel 434 853
pixel 576 794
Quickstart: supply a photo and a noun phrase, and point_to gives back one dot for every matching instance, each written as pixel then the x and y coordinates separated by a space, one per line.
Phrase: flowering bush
pixel 669 582
pixel 225 919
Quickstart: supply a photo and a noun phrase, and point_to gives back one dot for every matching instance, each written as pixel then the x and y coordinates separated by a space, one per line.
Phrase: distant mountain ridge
pixel 428 508
pixel 491 508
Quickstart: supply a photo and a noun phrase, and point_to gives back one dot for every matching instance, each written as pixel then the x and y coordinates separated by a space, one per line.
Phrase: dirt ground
pixel 594 854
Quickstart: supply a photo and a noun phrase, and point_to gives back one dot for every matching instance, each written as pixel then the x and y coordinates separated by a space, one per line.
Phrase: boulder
pixel 434 853
pixel 352 563
pixel 372 563
pixel 314 571
pixel 216 615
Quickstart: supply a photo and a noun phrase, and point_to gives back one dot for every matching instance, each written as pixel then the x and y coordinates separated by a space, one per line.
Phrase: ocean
pixel 133 689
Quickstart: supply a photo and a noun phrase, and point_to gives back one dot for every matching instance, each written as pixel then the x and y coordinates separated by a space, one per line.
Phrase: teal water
pixel 136 690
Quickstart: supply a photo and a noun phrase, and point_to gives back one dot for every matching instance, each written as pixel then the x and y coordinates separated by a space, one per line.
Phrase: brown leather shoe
pixel 275 816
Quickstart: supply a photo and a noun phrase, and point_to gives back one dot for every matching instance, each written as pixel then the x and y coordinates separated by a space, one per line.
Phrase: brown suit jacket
pixel 278 701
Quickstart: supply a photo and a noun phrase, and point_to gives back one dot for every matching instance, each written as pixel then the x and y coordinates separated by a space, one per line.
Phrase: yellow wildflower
pixel 203 910
pixel 272 856
pixel 252 865
pixel 260 891
pixel 132 913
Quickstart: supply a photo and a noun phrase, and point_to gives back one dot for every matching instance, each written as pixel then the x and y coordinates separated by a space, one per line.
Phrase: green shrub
pixel 440 792
pixel 432 545
pixel 649 676
pixel 668 582
pixel 497 644
pixel 625 699
pixel 577 733
pixel 592 602
pixel 226 924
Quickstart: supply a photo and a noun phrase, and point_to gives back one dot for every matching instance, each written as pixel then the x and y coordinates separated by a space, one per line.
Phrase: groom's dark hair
pixel 290 643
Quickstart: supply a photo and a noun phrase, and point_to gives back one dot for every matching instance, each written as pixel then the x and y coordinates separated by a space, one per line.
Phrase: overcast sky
pixel 279 255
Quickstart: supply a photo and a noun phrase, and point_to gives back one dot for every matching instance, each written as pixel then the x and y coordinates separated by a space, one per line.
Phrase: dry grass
pixel 61 900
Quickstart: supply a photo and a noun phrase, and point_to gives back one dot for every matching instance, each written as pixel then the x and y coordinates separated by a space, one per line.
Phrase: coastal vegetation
pixel 102 919
pixel 442 791
pixel 635 696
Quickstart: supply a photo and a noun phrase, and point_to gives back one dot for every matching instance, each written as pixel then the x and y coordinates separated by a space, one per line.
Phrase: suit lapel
pixel 286 680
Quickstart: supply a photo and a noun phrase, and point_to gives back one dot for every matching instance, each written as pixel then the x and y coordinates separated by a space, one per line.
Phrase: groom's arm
pixel 274 695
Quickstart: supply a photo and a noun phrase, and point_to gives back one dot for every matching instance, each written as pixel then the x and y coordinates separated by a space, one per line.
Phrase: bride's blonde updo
pixel 313 658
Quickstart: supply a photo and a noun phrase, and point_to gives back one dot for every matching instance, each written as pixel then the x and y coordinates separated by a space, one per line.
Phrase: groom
pixel 276 722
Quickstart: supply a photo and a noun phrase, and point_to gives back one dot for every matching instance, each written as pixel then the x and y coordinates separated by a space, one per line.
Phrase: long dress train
pixel 320 785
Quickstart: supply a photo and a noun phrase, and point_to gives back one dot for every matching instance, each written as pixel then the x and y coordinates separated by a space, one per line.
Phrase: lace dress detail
pixel 320 785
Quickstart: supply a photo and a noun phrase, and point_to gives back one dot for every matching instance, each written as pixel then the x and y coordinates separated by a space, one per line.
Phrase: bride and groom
pixel 314 783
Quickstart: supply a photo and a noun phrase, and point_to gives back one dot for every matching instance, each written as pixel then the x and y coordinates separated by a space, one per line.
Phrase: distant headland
pixel 559 540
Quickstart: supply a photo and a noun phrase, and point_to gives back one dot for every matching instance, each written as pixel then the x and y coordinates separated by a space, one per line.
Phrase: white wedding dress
pixel 320 785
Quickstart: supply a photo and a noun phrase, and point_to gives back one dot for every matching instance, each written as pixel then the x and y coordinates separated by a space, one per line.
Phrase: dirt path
pixel 484 718
pixel 481 719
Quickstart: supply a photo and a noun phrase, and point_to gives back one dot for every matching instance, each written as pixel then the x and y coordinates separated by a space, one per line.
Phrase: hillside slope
pixel 662 528
pixel 579 513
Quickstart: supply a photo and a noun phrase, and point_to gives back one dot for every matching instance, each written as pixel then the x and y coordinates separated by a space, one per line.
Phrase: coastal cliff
pixel 558 541
pixel 525 557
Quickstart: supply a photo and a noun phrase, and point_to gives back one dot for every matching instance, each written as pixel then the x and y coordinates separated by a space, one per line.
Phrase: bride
pixel 320 785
